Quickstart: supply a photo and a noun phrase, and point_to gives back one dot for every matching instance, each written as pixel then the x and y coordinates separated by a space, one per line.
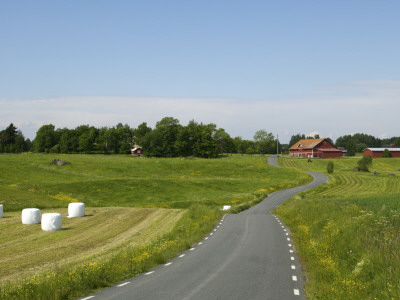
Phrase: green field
pixel 347 231
pixel 140 212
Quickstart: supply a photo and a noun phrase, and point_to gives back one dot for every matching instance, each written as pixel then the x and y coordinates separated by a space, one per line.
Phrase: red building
pixel 377 152
pixel 137 151
pixel 318 148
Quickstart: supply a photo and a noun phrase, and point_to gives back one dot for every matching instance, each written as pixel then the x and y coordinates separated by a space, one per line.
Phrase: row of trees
pixel 168 139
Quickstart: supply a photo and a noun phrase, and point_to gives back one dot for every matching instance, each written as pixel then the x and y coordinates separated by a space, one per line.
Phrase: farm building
pixel 318 148
pixel 137 151
pixel 377 152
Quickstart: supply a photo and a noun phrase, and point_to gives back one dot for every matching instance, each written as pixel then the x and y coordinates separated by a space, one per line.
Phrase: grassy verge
pixel 190 193
pixel 348 230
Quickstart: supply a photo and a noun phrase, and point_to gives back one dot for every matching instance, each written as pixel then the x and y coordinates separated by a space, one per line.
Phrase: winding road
pixel 247 256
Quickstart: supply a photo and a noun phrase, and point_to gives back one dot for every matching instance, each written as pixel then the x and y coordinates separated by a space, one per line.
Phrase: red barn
pixel 137 151
pixel 320 148
pixel 377 152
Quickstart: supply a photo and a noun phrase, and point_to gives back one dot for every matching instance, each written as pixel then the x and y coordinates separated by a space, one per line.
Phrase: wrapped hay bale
pixel 226 207
pixel 31 216
pixel 76 209
pixel 51 222
pixel 1 211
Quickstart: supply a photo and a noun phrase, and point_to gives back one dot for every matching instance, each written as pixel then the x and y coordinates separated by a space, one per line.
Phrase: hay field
pixel 27 250
pixel 348 230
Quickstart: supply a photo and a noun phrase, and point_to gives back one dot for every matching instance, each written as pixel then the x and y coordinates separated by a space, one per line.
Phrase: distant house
pixel 377 152
pixel 315 148
pixel 137 151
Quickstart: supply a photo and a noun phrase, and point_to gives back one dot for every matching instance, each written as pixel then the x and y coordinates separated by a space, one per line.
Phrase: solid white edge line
pixel 294 278
pixel 149 273
pixel 296 292
pixel 90 297
pixel 122 284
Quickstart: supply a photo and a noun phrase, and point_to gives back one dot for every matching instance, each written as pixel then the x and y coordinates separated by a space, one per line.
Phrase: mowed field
pixel 347 231
pixel 139 212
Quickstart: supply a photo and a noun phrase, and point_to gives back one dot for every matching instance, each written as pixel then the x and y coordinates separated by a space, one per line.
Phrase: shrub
pixel 386 153
pixel 364 163
pixel 330 167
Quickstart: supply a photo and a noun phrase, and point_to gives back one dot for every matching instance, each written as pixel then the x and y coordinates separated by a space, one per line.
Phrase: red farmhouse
pixel 377 152
pixel 137 151
pixel 320 148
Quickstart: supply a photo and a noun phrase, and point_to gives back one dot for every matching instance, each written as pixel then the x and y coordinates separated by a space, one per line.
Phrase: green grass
pixel 107 183
pixel 347 231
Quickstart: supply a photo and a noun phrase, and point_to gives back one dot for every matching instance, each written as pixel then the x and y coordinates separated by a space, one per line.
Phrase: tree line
pixel 167 139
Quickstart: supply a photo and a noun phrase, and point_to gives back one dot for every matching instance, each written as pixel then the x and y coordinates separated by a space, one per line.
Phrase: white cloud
pixel 366 106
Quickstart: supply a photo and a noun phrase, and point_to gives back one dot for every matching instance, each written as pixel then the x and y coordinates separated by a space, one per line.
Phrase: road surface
pixel 247 256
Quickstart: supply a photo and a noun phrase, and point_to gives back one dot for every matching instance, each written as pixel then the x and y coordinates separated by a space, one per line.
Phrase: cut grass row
pixel 115 243
pixel 348 230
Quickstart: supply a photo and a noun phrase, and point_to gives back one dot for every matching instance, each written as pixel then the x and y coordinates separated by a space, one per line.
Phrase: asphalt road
pixel 247 256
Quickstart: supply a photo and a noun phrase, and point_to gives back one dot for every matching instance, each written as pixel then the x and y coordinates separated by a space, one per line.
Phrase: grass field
pixel 140 212
pixel 347 231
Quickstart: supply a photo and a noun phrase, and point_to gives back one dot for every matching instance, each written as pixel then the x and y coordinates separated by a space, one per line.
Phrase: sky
pixel 326 67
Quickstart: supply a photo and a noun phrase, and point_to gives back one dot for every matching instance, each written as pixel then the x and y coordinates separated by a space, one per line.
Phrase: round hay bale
pixel 76 209
pixel 1 211
pixel 226 207
pixel 31 216
pixel 51 222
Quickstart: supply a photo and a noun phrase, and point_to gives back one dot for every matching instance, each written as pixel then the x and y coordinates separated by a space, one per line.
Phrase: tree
pixel 330 167
pixel 364 163
pixel 45 138
pixel 264 141
pixel 351 147
pixel 386 153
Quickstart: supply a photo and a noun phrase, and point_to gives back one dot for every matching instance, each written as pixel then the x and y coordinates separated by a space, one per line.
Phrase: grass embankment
pixel 169 205
pixel 348 230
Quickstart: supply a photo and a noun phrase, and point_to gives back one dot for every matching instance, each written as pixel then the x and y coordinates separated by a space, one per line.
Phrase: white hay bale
pixel 76 209
pixel 51 222
pixel 226 207
pixel 1 211
pixel 31 216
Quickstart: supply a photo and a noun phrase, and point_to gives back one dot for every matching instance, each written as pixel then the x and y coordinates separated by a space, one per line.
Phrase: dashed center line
pixel 122 284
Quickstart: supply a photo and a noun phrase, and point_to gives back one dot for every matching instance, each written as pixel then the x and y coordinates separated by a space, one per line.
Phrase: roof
pixel 383 149
pixel 307 144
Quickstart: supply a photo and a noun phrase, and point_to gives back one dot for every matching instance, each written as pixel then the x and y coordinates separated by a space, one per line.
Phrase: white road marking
pixel 90 297
pixel 291 251
pixel 291 258
pixel 182 255
pixel 286 233
pixel 294 278
pixel 288 239
pixel 200 243
pixel 215 230
pixel 218 226
pixel 191 249
pixel 296 292
pixel 293 267
pixel 122 284
pixel 283 226
pixel 211 233
pixel 149 273
pixel 168 264
pixel 284 230
pixel 290 245
pixel 206 238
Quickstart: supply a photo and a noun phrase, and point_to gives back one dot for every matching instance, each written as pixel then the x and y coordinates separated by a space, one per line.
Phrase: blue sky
pixel 289 67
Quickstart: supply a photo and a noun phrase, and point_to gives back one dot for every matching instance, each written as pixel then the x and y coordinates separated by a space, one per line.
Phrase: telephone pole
pixel 277 145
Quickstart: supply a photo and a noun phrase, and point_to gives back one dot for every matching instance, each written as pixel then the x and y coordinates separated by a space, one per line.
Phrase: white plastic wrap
pixel 76 209
pixel 226 207
pixel 51 222
pixel 31 216
pixel 1 211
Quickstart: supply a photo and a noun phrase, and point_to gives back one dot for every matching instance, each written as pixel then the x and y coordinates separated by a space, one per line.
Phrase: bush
pixel 364 163
pixel 330 167
pixel 386 153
